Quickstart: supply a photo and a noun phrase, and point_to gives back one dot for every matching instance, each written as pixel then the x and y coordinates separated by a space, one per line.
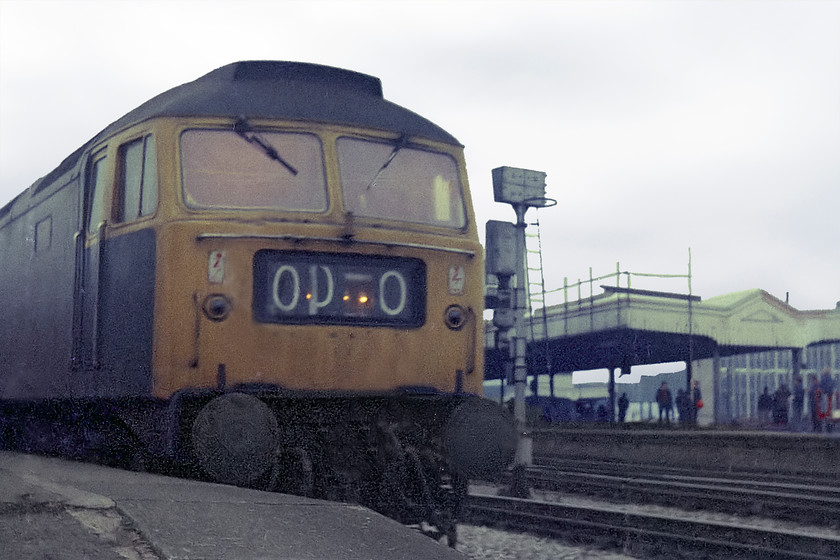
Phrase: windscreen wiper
pixel 400 143
pixel 243 128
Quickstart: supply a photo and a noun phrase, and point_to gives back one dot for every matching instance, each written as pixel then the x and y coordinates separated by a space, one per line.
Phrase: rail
pixel 641 533
pixel 793 499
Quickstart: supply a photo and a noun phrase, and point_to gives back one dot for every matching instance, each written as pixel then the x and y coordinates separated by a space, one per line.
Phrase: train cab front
pixel 316 298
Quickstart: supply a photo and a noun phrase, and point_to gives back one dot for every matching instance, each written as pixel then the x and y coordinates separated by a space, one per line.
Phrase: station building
pixel 732 345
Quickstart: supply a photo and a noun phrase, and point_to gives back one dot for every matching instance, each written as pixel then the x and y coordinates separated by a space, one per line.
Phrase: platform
pixel 778 452
pixel 51 508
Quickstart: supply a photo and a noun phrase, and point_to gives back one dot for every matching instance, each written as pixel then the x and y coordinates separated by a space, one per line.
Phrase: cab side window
pixel 98 182
pixel 137 189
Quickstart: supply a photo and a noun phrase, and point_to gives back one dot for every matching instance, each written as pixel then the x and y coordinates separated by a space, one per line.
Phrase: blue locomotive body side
pixel 78 321
pixel 37 277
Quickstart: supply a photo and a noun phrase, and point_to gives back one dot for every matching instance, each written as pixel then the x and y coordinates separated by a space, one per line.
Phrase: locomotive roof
pixel 286 90
pixel 278 90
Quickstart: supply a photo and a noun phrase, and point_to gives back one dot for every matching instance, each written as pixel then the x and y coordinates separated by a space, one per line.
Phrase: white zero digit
pixel 295 291
pixel 383 305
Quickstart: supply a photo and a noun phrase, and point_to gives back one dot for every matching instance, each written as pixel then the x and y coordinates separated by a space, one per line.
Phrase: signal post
pixel 522 189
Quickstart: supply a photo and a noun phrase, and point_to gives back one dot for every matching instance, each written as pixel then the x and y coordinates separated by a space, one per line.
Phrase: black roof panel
pixel 286 90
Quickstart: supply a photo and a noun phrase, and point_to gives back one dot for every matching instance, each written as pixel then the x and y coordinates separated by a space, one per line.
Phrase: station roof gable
pixel 625 327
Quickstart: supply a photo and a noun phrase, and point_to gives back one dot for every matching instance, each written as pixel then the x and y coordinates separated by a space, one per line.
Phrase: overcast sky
pixel 662 125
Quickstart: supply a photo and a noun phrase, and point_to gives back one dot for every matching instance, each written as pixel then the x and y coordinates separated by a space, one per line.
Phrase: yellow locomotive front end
pixel 317 259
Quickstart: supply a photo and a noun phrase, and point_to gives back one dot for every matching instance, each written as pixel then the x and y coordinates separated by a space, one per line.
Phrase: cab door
pixel 88 262
pixel 116 270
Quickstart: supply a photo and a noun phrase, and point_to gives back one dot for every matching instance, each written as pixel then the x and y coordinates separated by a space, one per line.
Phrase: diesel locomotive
pixel 270 274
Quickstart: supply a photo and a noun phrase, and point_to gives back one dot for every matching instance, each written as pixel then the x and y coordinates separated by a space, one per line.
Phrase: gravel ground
pixel 481 543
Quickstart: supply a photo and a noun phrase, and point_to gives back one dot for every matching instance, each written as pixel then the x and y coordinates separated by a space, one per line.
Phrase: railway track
pixel 647 534
pixel 756 477
pixel 802 500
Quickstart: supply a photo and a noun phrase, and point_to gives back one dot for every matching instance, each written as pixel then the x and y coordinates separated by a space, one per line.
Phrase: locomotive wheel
pixel 235 438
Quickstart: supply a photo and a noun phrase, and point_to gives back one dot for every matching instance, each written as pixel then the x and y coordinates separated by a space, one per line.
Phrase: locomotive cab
pixel 317 279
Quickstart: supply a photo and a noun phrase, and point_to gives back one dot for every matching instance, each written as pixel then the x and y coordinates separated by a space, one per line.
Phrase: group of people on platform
pixel 688 403
pixel 776 410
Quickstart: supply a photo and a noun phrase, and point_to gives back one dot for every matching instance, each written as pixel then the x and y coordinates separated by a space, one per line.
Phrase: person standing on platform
pixel 797 404
pixel 683 406
pixel 780 405
pixel 814 398
pixel 827 390
pixel 696 400
pixel 765 405
pixel 665 402
pixel 623 404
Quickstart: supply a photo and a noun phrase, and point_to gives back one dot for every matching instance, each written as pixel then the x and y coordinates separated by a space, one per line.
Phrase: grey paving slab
pixel 223 530
pixel 53 535
pixel 188 520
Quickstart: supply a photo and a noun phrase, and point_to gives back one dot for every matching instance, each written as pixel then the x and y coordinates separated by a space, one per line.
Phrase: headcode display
pixel 319 288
